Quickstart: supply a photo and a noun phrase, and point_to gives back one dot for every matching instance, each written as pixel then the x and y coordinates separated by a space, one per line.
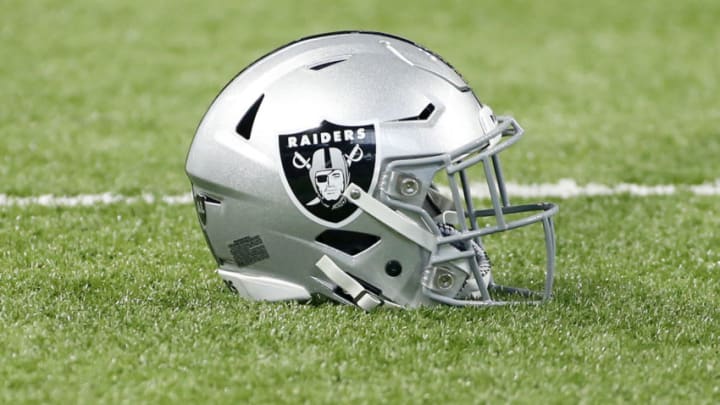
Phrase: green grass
pixel 120 304
pixel 106 95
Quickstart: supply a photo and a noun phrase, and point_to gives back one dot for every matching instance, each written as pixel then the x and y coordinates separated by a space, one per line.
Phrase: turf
pixel 119 303
pixel 107 96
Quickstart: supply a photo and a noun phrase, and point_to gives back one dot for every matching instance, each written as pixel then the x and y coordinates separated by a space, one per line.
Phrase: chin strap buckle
pixel 361 297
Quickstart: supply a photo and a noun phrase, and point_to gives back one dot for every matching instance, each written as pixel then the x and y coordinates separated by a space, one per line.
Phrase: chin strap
pixel 360 296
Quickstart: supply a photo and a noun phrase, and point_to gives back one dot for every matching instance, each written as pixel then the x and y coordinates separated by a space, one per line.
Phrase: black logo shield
pixel 319 163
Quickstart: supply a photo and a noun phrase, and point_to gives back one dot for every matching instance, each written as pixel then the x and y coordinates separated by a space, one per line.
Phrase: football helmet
pixel 343 165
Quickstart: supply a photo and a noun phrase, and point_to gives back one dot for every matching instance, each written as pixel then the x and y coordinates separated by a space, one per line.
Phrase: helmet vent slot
pixel 326 64
pixel 244 127
pixel 349 242
pixel 209 199
pixel 423 116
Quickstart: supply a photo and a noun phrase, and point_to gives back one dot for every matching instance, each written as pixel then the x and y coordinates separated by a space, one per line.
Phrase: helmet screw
pixel 409 186
pixel 354 194
pixel 393 268
pixel 445 280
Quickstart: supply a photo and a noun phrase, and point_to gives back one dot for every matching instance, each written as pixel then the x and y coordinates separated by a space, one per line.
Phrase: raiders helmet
pixel 343 165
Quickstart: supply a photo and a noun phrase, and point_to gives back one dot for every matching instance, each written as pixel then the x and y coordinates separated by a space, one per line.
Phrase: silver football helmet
pixel 341 166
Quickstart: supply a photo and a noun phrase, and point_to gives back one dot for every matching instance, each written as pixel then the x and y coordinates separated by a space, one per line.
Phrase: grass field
pixel 119 303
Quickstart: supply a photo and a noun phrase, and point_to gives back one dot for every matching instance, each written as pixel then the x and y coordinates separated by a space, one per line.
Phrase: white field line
pixel 86 200
pixel 565 188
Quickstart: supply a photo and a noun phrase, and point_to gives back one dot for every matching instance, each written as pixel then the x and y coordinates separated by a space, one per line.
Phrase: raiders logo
pixel 319 163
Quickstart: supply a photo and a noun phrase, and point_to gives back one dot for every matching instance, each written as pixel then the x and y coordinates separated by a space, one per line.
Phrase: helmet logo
pixel 319 163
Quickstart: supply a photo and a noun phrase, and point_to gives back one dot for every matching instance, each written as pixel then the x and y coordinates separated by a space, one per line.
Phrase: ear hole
pixel 244 127
pixel 348 242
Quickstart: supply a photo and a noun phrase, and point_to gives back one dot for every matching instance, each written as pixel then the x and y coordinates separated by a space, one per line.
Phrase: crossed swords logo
pixel 300 162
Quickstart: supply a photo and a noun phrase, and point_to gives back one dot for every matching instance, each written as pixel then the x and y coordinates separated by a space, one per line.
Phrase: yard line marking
pixel 565 188
pixel 87 200
pixel 568 188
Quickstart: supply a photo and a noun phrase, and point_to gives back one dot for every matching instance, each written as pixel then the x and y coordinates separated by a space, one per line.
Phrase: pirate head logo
pixel 329 173
pixel 319 163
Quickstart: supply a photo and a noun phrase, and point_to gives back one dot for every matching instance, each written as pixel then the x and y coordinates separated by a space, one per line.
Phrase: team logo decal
pixel 319 163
